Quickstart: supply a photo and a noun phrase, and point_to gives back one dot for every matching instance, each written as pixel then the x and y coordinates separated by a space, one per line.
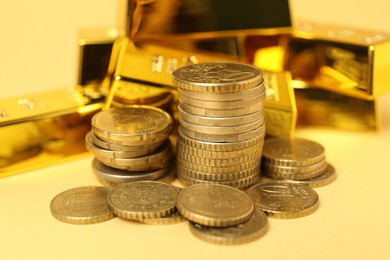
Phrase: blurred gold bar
pixel 43 129
pixel 321 107
pixel 341 59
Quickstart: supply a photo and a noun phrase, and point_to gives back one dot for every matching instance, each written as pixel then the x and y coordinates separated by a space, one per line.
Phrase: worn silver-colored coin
pixel 283 199
pixel 241 183
pixel 132 124
pixel 221 121
pixel 223 104
pixel 173 218
pixel 295 173
pixel 100 152
pixel 324 179
pixel 217 77
pixel 159 159
pixel 143 199
pixel 222 130
pixel 113 177
pixel 193 166
pixel 217 96
pixel 214 205
pixel 210 112
pixel 251 230
pixel 219 146
pixel 180 156
pixel 184 148
pixel 224 138
pixel 286 151
pixel 139 147
pixel 82 205
pixel 205 176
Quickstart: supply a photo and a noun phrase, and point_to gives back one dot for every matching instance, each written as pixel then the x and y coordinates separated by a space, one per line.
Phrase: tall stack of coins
pixel 297 159
pixel 131 144
pixel 222 129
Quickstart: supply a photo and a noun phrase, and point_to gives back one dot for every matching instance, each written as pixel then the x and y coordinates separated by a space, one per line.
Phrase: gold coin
pixel 193 166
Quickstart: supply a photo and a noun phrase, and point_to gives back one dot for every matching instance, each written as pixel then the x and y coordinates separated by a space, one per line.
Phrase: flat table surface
pixel 352 221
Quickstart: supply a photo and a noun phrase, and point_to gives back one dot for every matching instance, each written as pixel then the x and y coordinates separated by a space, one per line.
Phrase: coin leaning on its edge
pixel 82 205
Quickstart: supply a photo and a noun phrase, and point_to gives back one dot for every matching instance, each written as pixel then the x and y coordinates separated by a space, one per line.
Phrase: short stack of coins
pixel 131 144
pixel 222 128
pixel 298 160
pixel 130 93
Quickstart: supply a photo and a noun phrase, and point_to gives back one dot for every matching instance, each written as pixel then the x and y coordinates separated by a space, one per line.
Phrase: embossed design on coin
pixel 283 199
pixel 285 151
pixel 249 231
pixel 143 199
pixel 217 77
pixel 82 205
pixel 214 205
pixel 132 124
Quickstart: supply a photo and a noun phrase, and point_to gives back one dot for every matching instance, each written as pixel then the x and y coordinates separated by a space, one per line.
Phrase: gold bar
pixel 326 108
pixel 45 128
pixel 345 60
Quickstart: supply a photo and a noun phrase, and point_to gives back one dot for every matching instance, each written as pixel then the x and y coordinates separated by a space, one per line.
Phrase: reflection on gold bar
pixel 45 128
pixel 201 19
pixel 321 107
pixel 345 60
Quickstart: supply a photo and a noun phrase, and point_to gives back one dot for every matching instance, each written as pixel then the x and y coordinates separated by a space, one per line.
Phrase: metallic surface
pixel 82 205
pixel 214 205
pixel 282 199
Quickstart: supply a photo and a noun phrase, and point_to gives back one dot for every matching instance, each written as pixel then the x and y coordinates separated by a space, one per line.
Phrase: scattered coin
pixel 283 199
pixel 143 199
pixel 214 205
pixel 252 229
pixel 82 205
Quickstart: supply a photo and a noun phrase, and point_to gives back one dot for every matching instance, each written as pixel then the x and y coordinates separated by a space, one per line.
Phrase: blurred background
pixel 39 39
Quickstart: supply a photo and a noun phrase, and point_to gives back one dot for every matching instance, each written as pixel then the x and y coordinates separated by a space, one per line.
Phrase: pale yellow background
pixel 38 51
